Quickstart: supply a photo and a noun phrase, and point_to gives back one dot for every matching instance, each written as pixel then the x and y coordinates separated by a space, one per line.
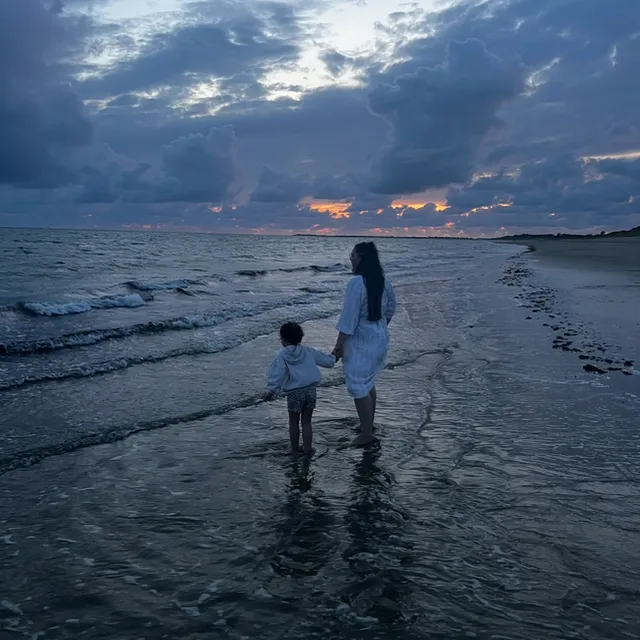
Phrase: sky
pixel 437 117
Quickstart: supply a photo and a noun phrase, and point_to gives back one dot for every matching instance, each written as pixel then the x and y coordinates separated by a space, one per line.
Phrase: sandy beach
pixel 597 280
pixel 597 253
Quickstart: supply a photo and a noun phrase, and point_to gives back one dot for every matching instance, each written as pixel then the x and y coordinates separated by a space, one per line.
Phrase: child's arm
pixel 324 359
pixel 276 378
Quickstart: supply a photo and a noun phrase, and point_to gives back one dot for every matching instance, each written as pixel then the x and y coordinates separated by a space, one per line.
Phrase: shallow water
pixel 502 502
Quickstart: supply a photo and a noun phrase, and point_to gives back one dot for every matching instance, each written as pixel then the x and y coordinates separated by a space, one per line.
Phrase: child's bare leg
pixel 307 431
pixel 294 431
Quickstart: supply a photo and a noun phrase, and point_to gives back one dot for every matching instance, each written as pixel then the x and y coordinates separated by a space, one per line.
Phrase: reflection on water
pixel 378 590
pixel 303 531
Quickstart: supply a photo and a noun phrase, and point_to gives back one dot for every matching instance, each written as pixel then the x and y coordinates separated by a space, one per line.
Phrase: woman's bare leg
pixel 364 407
pixel 373 394
pixel 294 432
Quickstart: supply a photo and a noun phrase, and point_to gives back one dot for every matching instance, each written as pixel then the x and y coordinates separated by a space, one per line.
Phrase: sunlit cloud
pixel 439 206
pixel 336 210
pixel 623 155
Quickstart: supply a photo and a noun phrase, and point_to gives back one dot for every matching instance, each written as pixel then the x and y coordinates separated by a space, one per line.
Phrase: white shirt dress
pixel 366 348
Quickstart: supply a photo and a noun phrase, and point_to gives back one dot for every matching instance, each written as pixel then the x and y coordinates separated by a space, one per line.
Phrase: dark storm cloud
pixel 223 44
pixel 325 133
pixel 271 215
pixel 439 115
pixel 582 56
pixel 560 189
pixel 618 167
pixel 274 186
pixel 40 117
pixel 199 168
pixel 194 168
pixel 341 187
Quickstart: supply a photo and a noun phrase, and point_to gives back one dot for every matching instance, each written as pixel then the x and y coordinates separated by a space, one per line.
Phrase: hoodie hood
pixel 294 355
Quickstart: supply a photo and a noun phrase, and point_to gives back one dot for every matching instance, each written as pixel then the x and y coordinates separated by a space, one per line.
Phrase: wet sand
pixel 597 280
pixel 594 253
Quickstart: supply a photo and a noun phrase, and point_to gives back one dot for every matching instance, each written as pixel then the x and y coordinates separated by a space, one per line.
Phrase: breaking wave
pixel 50 309
pixel 162 286
pixel 254 273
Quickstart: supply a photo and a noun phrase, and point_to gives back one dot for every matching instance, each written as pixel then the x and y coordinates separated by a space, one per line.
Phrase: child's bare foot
pixel 363 441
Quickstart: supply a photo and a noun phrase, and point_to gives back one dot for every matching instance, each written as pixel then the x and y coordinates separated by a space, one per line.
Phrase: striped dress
pixel 365 350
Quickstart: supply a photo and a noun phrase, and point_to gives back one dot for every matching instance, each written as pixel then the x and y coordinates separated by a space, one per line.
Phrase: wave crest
pixel 50 309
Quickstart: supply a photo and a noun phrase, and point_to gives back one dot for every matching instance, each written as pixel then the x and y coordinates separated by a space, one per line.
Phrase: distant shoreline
pixel 523 237
pixel 379 237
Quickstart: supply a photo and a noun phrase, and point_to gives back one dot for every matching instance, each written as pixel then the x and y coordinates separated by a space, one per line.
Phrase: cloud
pixel 336 62
pixel 619 167
pixel 195 168
pixel 438 117
pixel 274 186
pixel 581 61
pixel 232 42
pixel 199 168
pixel 560 190
pixel 41 119
pixel 329 131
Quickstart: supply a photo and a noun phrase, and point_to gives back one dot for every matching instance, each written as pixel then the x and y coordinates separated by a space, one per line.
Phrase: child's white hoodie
pixel 296 367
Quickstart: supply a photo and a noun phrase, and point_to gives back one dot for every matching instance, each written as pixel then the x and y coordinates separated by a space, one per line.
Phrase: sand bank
pixel 597 253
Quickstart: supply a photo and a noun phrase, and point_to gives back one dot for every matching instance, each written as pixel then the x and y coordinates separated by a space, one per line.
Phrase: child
pixel 295 372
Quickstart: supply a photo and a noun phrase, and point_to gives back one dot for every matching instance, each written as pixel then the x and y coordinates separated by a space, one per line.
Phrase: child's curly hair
pixel 292 333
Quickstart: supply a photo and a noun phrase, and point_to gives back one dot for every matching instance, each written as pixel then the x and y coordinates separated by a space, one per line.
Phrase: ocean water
pixel 146 490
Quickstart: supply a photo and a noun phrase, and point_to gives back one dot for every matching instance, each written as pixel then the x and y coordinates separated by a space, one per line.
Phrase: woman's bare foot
pixel 363 440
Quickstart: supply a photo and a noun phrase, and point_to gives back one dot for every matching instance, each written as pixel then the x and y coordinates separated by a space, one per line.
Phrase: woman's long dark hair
pixel 371 271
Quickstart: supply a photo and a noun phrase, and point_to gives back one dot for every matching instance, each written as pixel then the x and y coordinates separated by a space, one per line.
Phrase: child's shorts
pixel 300 400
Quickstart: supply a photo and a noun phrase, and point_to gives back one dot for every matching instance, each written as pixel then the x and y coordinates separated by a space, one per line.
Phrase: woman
pixel 363 339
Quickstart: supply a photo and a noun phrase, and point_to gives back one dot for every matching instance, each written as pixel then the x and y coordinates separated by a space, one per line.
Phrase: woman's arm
pixel 350 316
pixel 391 300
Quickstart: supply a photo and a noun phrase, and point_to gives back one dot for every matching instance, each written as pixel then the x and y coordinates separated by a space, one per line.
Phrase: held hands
pixel 270 396
pixel 338 350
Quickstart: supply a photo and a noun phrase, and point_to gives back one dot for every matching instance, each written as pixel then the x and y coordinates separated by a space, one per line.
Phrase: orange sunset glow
pixel 340 209
pixel 336 210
